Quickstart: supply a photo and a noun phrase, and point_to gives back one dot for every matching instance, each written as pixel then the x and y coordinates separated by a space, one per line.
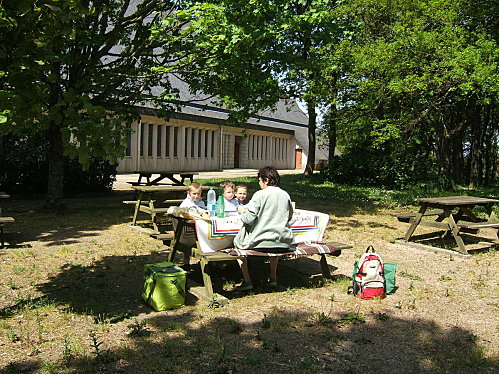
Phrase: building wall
pixel 159 145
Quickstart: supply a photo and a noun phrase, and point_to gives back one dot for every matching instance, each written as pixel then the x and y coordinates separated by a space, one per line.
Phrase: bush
pixel 24 166
pixel 369 168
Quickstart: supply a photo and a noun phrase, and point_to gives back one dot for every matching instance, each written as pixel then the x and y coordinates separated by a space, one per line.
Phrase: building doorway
pixel 237 148
pixel 298 158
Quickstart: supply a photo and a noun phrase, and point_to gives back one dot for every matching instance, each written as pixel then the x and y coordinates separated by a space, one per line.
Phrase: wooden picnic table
pixel 155 200
pixel 454 215
pixel 161 175
pixel 207 240
pixel 4 220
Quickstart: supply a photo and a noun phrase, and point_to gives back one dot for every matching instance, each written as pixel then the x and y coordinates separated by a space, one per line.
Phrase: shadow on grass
pixel 281 342
pixel 84 217
pixel 110 289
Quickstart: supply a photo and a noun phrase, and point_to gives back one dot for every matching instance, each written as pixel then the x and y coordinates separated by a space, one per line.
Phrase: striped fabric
pixel 301 249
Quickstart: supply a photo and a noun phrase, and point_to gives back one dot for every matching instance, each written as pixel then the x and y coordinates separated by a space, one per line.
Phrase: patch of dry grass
pixel 70 303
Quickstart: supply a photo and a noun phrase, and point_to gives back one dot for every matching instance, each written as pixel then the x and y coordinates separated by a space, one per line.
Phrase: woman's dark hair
pixel 269 173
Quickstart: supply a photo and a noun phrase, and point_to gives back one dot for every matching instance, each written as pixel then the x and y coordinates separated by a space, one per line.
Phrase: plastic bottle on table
pixel 220 207
pixel 211 201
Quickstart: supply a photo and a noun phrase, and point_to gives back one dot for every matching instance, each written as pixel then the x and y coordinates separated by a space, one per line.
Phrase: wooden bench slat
pixel 163 236
pixel 436 212
pixel 148 210
pixel 478 225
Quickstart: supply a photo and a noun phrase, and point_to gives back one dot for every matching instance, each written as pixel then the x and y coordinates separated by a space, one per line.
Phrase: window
pixel 128 151
pixel 186 141
pixel 141 144
pixel 149 139
pixel 167 141
pixel 212 144
pixel 159 141
pixel 206 133
pixel 175 142
pixel 193 133
pixel 199 142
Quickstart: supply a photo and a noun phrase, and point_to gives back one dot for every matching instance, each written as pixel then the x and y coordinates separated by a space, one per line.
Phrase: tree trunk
pixel 312 124
pixel 332 136
pixel 476 153
pixel 55 187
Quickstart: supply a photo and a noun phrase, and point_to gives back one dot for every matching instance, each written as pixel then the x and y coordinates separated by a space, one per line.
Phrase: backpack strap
pixel 370 248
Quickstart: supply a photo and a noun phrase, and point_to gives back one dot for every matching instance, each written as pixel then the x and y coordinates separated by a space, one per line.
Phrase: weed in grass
pixel 11 285
pixel 381 316
pixel 353 317
pixel 309 362
pixel 410 276
pixel 102 355
pixel 445 278
pixel 49 368
pixel 320 319
pixel 271 345
pixel 12 336
pixel 67 352
pixel 18 269
pixel 252 360
pixel 265 322
pixel 138 328
pixel 363 340
pixel 174 327
pixel 235 327
pixel 222 354
pixel 214 303
pixel 412 305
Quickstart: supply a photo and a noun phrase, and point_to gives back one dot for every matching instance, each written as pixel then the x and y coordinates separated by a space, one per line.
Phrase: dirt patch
pixel 70 303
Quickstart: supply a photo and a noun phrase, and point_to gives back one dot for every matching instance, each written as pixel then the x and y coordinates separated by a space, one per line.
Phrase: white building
pixel 199 138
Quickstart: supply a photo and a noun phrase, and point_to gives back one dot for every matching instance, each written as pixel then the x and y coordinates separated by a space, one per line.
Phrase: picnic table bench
pixel 191 237
pixel 4 220
pixel 156 207
pixel 454 215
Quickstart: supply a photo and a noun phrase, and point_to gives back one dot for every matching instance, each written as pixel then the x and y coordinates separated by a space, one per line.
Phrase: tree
pixel 79 68
pixel 424 77
pixel 262 51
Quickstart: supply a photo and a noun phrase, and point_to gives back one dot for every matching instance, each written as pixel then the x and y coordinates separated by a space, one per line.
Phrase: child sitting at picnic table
pixel 266 224
pixel 230 202
pixel 193 199
pixel 241 193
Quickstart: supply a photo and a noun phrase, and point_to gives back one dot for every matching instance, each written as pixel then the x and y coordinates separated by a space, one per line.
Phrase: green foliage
pixel 369 168
pixel 24 166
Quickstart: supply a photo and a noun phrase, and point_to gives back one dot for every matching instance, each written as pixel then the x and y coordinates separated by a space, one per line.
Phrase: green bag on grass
pixel 164 286
pixel 390 269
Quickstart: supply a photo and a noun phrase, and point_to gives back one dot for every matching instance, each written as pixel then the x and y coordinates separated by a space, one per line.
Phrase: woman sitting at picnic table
pixel 266 224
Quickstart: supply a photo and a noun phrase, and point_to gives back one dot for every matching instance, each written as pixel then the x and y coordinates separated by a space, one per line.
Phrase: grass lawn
pixel 70 301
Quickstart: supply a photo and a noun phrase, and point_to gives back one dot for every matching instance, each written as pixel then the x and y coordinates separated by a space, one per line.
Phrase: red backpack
pixel 369 276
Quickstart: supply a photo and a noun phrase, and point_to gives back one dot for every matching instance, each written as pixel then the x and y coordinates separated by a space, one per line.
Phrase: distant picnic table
pixel 4 220
pixel 454 215
pixel 146 178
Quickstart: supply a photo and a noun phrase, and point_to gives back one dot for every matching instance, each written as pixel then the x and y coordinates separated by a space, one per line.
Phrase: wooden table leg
pixel 176 239
pixel 415 222
pixel 137 208
pixel 455 232
pixel 325 267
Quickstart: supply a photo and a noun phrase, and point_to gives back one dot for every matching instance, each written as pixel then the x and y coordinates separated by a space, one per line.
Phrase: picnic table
pixel 4 220
pixel 454 215
pixel 161 175
pixel 211 240
pixel 155 200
